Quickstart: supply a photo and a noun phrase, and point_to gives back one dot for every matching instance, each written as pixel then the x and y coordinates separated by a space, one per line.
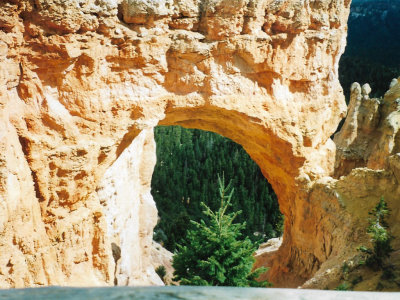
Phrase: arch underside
pixel 296 260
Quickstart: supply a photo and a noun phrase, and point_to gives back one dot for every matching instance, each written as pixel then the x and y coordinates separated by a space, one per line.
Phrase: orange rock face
pixel 84 83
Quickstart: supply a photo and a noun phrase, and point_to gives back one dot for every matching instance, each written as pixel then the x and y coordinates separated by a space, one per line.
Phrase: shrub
pixel 380 236
pixel 343 287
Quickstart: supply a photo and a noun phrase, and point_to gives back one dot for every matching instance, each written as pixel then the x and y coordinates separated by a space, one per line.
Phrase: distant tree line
pixel 365 70
pixel 373 46
pixel 188 164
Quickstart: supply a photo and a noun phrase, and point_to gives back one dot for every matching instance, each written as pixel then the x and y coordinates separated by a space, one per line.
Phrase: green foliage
pixel 161 272
pixel 366 70
pixel 388 272
pixel 345 268
pixel 350 280
pixel 188 161
pixel 380 236
pixel 371 28
pixel 213 252
pixel 279 226
pixel 371 54
pixel 343 287
pixel 160 236
pixel 356 280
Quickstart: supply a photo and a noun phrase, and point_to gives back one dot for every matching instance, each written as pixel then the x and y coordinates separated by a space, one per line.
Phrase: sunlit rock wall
pixel 83 81
pixel 130 211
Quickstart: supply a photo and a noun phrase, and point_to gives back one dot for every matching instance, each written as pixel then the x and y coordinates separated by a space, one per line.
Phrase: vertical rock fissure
pixel 24 142
pixel 116 252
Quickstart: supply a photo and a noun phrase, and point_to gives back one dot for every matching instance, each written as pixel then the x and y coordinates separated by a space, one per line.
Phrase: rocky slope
pixel 367 167
pixel 84 83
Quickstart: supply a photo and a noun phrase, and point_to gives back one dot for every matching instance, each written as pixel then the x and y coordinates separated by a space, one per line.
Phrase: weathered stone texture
pixel 84 83
pixel 370 134
pixel 366 169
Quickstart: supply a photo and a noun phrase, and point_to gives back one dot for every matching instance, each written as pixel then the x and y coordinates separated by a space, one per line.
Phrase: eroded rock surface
pixel 367 161
pixel 84 83
pixel 370 134
pixel 130 211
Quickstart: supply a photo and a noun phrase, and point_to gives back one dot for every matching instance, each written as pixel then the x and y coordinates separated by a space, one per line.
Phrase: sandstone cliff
pixel 367 167
pixel 84 83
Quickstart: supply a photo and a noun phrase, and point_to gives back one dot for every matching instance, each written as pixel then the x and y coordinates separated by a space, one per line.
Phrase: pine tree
pixel 187 161
pixel 213 252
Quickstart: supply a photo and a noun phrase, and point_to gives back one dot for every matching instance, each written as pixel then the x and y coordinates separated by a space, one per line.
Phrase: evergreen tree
pixel 213 253
pixel 366 70
pixel 188 161
pixel 371 54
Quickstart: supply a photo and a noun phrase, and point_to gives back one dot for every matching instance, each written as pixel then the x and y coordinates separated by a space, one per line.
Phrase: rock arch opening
pixel 188 164
pixel 286 167
pixel 281 163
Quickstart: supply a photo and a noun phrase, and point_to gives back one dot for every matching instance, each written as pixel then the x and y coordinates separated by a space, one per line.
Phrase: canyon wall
pixel 367 167
pixel 85 82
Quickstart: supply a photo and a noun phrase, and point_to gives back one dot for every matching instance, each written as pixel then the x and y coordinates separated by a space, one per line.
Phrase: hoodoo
pixel 83 83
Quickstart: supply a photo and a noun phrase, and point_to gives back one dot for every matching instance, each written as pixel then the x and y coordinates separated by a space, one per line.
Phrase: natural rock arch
pixel 291 175
pixel 279 163
pixel 80 95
